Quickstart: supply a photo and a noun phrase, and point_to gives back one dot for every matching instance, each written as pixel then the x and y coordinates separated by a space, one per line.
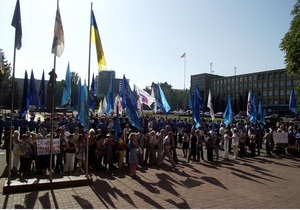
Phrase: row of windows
pixel 258 85
pixel 264 92
pixel 250 78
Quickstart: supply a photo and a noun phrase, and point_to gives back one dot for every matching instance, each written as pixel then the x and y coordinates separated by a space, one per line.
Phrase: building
pixel 273 86
pixel 102 81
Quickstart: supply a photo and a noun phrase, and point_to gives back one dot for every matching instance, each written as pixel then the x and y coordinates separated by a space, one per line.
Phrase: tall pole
pixel 11 114
pixel 52 117
pixel 88 98
pixel 184 69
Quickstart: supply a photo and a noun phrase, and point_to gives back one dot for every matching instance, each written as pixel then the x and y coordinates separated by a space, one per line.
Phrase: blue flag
pixel 117 123
pixel 110 96
pixel 228 114
pixel 201 105
pixel 253 112
pixel 130 104
pixel 292 103
pixel 196 107
pixel 92 94
pixel 191 99
pixel 32 91
pixel 17 24
pixel 66 96
pixel 79 96
pixel 162 100
pixel 83 116
pixel 25 96
pixel 42 93
pixel 261 112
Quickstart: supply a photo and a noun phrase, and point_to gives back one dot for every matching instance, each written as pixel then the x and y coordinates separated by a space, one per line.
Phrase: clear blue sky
pixel 144 39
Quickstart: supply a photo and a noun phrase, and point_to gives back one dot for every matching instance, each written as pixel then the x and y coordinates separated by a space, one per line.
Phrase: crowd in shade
pixel 101 148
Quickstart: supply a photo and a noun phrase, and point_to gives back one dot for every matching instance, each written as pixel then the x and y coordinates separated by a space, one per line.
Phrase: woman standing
pixel 121 149
pixel 80 155
pixel 16 146
pixel 210 145
pixel 235 143
pixel 227 138
pixel 185 144
pixel 133 159
pixel 70 155
pixel 92 147
pixel 25 160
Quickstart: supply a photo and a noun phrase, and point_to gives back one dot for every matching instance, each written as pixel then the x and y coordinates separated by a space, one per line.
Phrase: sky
pixel 145 39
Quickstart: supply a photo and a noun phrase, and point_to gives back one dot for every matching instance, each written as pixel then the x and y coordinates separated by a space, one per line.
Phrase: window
pixel 254 77
pixel 275 101
pixel 250 78
pixel 282 74
pixel 288 83
pixel 270 93
pixel 264 76
pixel 259 85
pixel 281 83
pixel 276 75
pixel 241 79
pixel 276 84
pixel 259 77
pixel 264 93
pixel 245 79
pixel 224 81
pixel 270 84
pixel 250 86
pixel 281 92
pixel 275 92
pixel 270 75
pixel 254 86
pixel 221 82
pixel 264 84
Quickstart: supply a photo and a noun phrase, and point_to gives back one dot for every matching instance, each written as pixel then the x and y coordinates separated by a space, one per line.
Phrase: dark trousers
pixel 210 154
pixel 199 153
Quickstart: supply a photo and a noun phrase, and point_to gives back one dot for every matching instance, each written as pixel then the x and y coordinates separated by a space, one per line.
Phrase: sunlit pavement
pixel 259 182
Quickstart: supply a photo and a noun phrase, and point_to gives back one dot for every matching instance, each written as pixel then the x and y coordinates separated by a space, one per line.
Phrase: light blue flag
pixel 191 100
pixel 261 112
pixel 293 103
pixel 92 94
pixel 66 96
pixel 201 105
pixel 110 96
pixel 196 107
pixel 84 111
pixel 32 91
pixel 228 114
pixel 42 93
pixel 130 104
pixel 163 101
pixel 253 112
pixel 79 97
pixel 117 124
pixel 25 96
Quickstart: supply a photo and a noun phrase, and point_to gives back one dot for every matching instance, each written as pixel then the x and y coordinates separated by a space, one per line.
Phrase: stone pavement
pixel 249 183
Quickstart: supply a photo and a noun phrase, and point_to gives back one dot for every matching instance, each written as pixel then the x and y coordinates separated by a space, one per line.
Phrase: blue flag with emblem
pixel 293 103
pixel 228 114
pixel 130 104
pixel 32 91
pixel 261 112
pixel 66 96
pixel 162 101
pixel 92 94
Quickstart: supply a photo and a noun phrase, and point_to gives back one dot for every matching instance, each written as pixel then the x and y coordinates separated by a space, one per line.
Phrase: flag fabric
pixel 92 94
pixel 117 124
pixel 261 112
pixel 228 114
pixel 201 105
pixel 79 97
pixel 251 108
pixel 162 100
pixel 84 111
pixel 42 93
pixel 95 38
pixel 191 100
pixel 196 108
pixel 293 103
pixel 32 91
pixel 155 102
pixel 210 105
pixel 25 96
pixel 17 24
pixel 2 70
pixel 130 104
pixel 144 97
pixel 183 55
pixel 110 96
pixel 118 104
pixel 100 108
pixel 104 106
pixel 66 96
pixel 58 44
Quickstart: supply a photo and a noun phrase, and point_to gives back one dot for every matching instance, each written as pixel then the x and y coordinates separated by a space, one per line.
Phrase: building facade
pixel 273 86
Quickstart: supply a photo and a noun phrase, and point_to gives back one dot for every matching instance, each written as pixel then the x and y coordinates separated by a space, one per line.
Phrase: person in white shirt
pixel 167 147
pixel 235 143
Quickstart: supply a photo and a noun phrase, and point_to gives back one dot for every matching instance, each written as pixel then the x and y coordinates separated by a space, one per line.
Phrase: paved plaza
pixel 255 183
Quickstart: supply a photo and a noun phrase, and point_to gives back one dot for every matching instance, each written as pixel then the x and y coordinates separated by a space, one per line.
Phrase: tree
pixel 290 44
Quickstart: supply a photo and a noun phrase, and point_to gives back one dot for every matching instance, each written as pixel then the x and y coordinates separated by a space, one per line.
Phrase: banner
pixel 43 146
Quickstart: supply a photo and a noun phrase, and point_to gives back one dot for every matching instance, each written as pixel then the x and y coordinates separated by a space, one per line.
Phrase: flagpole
pixel 11 113
pixel 184 70
pixel 88 98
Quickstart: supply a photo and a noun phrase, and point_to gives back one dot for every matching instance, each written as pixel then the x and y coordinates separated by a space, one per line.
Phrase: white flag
pixel 58 40
pixel 210 106
pixel 144 97
pixel 155 105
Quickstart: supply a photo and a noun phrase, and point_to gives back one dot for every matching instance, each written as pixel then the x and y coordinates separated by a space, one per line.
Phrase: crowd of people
pixel 100 148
